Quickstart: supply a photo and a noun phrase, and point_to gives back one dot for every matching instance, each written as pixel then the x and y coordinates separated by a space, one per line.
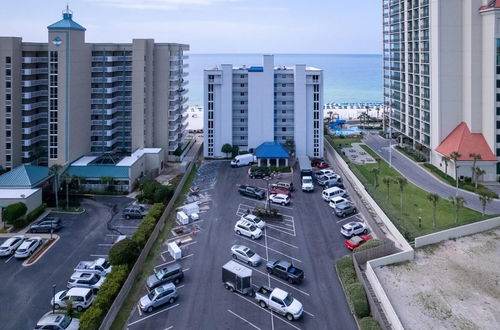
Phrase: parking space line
pixel 99 255
pixel 286 255
pixel 105 244
pixel 126 227
pixel 283 230
pixel 162 257
pixel 12 256
pixel 308 313
pixel 294 246
pixel 268 311
pixel 185 270
pixel 147 317
pixel 276 279
pixel 170 327
pixel 181 246
pixel 243 319
pixel 172 261
pixel 139 310
pixel 349 217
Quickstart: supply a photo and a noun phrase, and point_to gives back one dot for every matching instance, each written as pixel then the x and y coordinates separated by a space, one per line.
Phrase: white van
pixel 242 160
pixel 81 298
pixel 329 193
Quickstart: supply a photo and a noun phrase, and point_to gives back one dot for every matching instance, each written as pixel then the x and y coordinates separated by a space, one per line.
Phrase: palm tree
pixel 375 171
pixel 455 156
pixel 402 182
pixel 445 160
pixel 475 158
pixel 479 173
pixel 434 199
pixel 485 198
pixel 379 162
pixel 55 169
pixel 67 179
pixel 107 180
pixel 387 180
pixel 458 202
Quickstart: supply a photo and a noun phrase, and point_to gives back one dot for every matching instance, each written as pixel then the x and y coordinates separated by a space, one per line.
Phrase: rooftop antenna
pixel 67 11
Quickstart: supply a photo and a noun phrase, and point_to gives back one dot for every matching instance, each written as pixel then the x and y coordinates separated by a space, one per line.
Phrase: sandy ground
pixel 454 285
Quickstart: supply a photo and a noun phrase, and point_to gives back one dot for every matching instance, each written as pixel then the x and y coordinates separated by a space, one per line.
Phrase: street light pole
pixel 54 298
pixel 390 139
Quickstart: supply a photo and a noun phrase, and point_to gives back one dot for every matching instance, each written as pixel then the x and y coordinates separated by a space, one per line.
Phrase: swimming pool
pixel 347 131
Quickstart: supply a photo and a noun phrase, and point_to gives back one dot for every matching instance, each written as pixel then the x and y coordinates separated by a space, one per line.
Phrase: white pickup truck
pixel 279 301
pixel 99 266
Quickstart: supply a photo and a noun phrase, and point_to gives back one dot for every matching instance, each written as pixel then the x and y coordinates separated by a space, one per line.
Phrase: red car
pixel 321 165
pixel 357 241
pixel 280 190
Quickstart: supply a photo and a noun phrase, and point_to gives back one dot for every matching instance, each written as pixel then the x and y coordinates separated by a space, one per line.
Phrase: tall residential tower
pixel 67 98
pixel 442 79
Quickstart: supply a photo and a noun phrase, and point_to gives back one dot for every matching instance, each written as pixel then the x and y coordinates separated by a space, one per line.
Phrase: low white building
pixel 247 106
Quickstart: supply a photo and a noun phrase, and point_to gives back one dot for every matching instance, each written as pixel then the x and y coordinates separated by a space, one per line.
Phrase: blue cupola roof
pixel 66 23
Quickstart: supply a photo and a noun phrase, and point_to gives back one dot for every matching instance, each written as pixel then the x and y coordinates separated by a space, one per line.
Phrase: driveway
pixel 423 179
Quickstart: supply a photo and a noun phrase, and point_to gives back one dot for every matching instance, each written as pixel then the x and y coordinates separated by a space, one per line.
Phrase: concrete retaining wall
pixel 127 286
pixel 464 230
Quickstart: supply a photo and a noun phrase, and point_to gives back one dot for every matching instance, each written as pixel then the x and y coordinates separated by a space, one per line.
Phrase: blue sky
pixel 212 26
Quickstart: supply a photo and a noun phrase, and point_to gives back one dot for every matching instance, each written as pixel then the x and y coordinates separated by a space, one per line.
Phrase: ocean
pixel 347 78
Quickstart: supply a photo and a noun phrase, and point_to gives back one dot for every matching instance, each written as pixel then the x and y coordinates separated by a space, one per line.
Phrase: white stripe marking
pixel 243 319
pixel 147 317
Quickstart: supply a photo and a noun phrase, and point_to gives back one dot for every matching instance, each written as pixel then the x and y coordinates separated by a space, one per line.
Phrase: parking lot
pixel 26 291
pixel 308 236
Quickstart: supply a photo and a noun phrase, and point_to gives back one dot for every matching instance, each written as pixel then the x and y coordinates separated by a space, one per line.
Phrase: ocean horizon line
pixel 319 54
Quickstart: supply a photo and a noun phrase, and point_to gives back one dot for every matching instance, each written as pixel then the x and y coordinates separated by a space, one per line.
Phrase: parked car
pixel 170 273
pixel 85 280
pixel 316 161
pixel 134 212
pixel 46 225
pixel 57 321
pixel 242 160
pixel 279 301
pixel 27 248
pixel 353 228
pixel 245 254
pixel 334 182
pixel 323 172
pixel 285 270
pixel 99 266
pixel 259 173
pixel 327 177
pixel 306 172
pixel 246 228
pixel 283 184
pixel 255 220
pixel 343 210
pixel 357 241
pixel 329 193
pixel 307 183
pixel 10 245
pixel 81 298
pixel 252 191
pixel 279 199
pixel 322 164
pixel 159 296
pixel 335 201
pixel 279 190
pixel 237 277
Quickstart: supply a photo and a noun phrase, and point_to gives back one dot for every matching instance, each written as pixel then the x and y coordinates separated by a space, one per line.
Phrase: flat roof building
pixel 247 106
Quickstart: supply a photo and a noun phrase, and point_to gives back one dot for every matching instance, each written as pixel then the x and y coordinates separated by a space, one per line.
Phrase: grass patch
pixel 451 181
pixel 369 323
pixel 368 245
pixel 415 202
pixel 133 296
pixel 412 154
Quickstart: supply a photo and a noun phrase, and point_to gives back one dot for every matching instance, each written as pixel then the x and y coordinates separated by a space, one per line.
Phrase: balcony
pixel 28 142
pixel 110 90
pixel 29 130
pixel 27 72
pixel 111 58
pixel 32 83
pixel 35 94
pixel 35 59
pixel 174 128
pixel 31 106
pixel 111 68
pixel 29 119
pixel 111 79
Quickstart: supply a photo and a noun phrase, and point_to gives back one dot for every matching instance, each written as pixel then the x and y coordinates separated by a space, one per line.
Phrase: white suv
pixel 279 199
pixel 246 228
pixel 336 201
pixel 353 228
pixel 254 220
pixel 85 280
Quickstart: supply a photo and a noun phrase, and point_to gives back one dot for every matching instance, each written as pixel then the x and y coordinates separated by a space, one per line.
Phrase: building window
pixel 8 60
pixel 283 129
pixel 242 76
pixel 242 102
pixel 283 102
pixel 242 85
pixel 242 94
pixel 242 128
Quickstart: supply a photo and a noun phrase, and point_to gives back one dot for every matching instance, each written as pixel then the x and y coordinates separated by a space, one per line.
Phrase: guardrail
pixel 127 286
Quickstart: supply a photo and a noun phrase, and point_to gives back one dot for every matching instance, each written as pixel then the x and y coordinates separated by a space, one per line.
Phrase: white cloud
pixel 157 4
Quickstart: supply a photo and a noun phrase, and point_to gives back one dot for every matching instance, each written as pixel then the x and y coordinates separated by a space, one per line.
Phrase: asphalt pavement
pixel 308 236
pixel 423 179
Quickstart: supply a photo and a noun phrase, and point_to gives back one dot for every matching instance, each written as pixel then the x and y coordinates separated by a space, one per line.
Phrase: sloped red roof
pixel 462 140
pixel 490 5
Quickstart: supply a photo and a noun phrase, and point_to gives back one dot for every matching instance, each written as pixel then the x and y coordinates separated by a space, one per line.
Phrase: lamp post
pixel 53 298
pixel 390 139
pixel 1 217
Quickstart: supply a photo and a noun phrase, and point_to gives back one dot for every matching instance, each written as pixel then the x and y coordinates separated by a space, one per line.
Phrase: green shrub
pixel 345 269
pixel 368 245
pixel 156 210
pixel 14 212
pixel 92 317
pixel 125 252
pixel 154 192
pixel 144 230
pixel 36 213
pixel 20 223
pixel 357 297
pixel 369 323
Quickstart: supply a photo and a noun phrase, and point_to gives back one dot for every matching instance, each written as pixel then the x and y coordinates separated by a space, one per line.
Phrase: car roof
pixel 356 239
pixel 352 224
pixel 245 222
pixel 337 198
pixel 49 318
pixel 81 275
pixel 171 267
pixel 9 240
pixel 78 291
pixel 283 263
pixel 281 195
pixel 280 294
pixel 164 287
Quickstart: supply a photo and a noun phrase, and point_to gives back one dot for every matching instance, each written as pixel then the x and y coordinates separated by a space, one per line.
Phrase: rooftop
pixel 129 160
pixel 465 143
pixel 271 150
pixel 66 23
pixel 25 176
pixel 492 4
pixel 16 193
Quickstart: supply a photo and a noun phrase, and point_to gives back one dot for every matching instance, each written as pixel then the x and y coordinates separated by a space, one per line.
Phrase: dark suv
pixel 170 273
pixel 45 225
pixel 259 173
pixel 345 209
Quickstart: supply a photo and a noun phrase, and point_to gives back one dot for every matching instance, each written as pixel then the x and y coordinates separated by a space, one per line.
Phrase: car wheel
pixel 249 263
pixel 231 289
pixel 150 309
pixel 238 232
pixel 171 300
pixel 269 270
pixel 252 237
pixel 343 215
pixel 56 306
pixel 283 203
pixel 226 286
pixel 289 317
pixel 354 211
pixel 262 304
pixel 235 256
pixel 290 281
pixel 79 309
pixel 177 280
pixel 365 231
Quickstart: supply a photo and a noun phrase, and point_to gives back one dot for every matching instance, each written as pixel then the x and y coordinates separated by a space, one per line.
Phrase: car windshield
pixel 151 295
pixel 253 228
pixel 257 220
pixel 250 253
pixel 105 265
pixel 288 300
pixel 66 321
pixel 94 280
pixel 63 294
pixel 3 248
pixel 307 180
pixel 159 274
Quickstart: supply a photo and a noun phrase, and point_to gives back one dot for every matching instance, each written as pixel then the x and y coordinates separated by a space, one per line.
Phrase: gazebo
pixel 269 151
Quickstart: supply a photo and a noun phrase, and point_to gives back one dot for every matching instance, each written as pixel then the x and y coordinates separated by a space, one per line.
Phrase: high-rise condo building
pixel 442 79
pixel 66 98
pixel 247 106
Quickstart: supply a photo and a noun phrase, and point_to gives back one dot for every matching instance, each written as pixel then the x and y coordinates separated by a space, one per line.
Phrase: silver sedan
pixel 246 255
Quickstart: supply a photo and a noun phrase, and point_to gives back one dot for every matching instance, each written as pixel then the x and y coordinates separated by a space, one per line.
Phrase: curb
pixel 345 294
pixel 39 256
pixel 68 212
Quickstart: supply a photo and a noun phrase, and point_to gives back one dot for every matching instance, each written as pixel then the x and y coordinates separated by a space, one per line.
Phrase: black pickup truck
pixel 251 191
pixel 285 270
